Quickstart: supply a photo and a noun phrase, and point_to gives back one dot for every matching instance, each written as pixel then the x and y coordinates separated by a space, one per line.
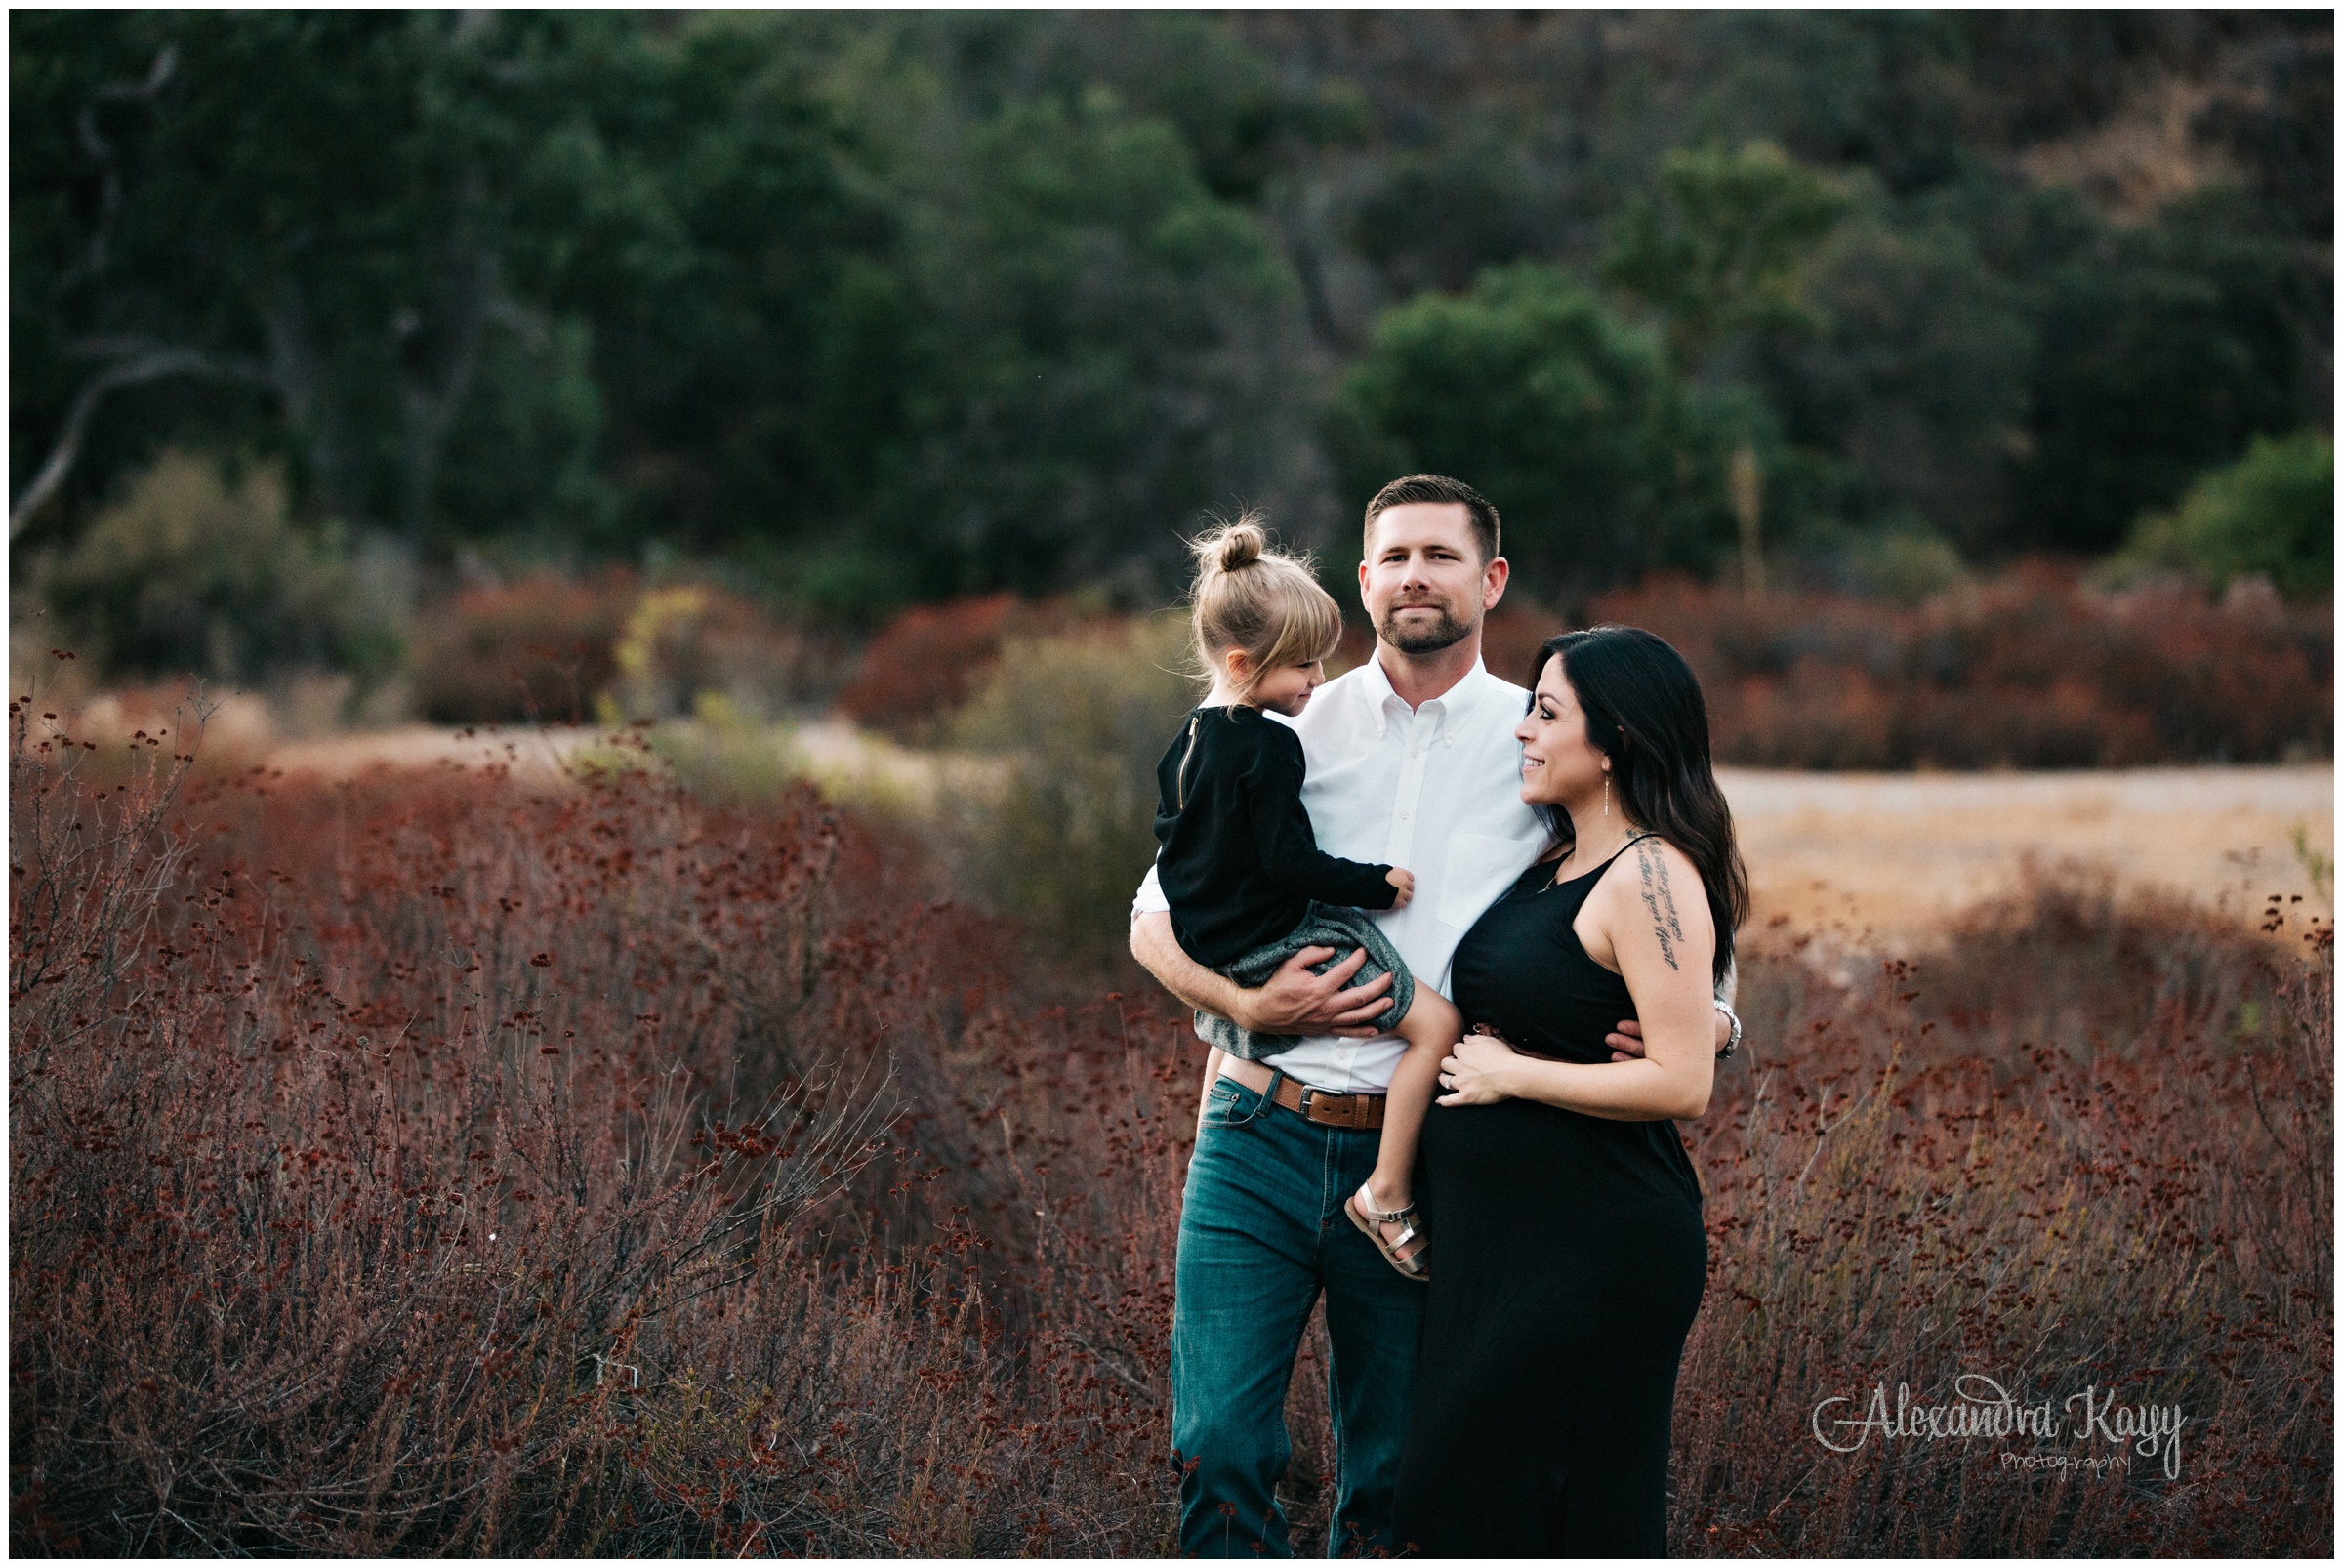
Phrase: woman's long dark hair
pixel 1644 711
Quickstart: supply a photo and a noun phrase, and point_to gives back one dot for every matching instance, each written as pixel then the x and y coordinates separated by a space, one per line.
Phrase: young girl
pixel 1241 868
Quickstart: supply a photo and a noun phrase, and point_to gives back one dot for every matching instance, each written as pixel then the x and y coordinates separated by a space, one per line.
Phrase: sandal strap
pixel 1401 1215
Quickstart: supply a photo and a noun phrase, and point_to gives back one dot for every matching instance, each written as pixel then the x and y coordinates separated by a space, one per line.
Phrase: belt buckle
pixel 1309 1093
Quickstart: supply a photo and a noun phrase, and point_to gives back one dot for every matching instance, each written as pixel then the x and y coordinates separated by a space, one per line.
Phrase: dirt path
pixel 1887 854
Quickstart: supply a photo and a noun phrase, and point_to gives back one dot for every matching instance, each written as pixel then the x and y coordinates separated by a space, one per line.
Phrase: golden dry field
pixel 1884 858
pixel 1876 861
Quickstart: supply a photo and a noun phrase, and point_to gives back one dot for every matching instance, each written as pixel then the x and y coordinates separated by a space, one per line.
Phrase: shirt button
pixel 1403 817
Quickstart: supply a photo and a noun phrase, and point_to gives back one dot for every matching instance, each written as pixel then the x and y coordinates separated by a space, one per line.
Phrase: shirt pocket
pixel 1479 866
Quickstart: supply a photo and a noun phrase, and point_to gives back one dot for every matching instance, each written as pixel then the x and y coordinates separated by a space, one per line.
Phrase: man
pixel 1412 763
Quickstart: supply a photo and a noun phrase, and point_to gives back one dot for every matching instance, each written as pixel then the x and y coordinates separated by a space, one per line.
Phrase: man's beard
pixel 1445 633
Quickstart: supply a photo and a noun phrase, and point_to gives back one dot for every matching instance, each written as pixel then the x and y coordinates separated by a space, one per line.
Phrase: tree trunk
pixel 1745 482
pixel 295 371
pixel 442 354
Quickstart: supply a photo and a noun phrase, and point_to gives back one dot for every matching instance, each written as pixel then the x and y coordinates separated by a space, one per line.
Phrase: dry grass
pixel 1885 862
pixel 2087 1146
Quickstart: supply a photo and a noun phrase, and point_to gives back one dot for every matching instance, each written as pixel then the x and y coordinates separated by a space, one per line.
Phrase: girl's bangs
pixel 1312 624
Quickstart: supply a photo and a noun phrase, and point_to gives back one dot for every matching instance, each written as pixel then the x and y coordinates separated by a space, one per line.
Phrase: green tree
pixel 1602 463
pixel 333 214
pixel 799 289
pixel 2273 512
pixel 1101 350
pixel 1720 249
pixel 2164 350
pixel 758 345
pixel 1912 387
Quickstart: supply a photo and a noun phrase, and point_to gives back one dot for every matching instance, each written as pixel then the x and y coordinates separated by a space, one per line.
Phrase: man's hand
pixel 1295 1002
pixel 1626 1044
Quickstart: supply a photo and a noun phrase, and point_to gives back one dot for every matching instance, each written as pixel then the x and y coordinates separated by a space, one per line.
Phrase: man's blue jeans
pixel 1261 1233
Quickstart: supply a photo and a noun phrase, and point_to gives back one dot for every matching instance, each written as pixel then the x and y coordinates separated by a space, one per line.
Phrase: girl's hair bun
pixel 1262 602
pixel 1231 546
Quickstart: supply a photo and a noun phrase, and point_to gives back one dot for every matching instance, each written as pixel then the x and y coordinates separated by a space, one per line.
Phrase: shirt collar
pixel 1382 701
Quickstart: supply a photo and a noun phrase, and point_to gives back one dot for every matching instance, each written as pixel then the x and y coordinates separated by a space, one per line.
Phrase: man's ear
pixel 1493 578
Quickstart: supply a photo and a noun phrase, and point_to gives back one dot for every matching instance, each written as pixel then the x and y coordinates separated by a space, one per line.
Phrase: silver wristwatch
pixel 1733 1040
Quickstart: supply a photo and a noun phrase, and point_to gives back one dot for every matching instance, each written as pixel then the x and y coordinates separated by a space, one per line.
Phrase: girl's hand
pixel 1474 1072
pixel 1404 881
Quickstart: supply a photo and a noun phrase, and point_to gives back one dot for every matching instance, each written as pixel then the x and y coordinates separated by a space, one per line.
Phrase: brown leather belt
pixel 1359 1112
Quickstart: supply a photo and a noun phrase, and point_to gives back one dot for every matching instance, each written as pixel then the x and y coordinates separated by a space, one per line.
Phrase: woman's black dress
pixel 1567 1259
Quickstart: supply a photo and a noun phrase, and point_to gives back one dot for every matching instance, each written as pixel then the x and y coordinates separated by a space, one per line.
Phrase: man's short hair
pixel 1433 489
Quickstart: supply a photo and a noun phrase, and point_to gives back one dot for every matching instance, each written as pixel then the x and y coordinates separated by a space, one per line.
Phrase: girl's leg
pixel 1431 1029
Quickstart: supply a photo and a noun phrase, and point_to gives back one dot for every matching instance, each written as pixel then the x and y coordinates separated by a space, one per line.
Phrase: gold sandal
pixel 1360 1206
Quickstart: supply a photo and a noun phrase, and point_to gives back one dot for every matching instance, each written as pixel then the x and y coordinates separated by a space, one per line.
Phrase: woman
pixel 1571 1251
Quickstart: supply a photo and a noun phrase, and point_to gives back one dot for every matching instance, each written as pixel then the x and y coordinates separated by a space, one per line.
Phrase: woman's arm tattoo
pixel 1661 901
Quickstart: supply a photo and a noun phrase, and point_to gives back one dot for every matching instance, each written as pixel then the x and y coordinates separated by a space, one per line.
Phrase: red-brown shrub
pixel 435 1167
pixel 424 1166
pixel 1907 1184
pixel 2028 670
pixel 551 648
pixel 931 658
pixel 541 645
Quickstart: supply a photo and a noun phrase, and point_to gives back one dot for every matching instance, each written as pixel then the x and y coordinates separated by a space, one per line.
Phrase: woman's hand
pixel 1476 1072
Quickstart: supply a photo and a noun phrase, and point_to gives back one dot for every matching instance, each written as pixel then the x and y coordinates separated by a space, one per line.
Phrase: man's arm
pixel 1294 1000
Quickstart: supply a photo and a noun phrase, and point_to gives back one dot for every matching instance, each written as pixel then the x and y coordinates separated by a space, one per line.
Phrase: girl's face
pixel 1558 764
pixel 1286 687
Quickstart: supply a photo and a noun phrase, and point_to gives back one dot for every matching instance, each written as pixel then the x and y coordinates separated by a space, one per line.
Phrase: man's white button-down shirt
pixel 1436 790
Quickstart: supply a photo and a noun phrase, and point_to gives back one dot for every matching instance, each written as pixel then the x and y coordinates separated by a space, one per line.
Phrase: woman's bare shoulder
pixel 1653 897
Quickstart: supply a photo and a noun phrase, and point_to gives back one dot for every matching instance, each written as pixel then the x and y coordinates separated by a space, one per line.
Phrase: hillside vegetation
pixel 879 308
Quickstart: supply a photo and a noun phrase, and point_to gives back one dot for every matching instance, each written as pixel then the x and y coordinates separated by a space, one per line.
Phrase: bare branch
pixel 153 365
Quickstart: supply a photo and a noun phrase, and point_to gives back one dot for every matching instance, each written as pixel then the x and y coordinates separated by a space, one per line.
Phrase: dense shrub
pixel 566 649
pixel 688 642
pixel 499 1129
pixel 423 1165
pixel 539 646
pixel 2025 671
pixel 1914 1183
pixel 186 575
pixel 2271 511
pixel 931 659
pixel 1063 830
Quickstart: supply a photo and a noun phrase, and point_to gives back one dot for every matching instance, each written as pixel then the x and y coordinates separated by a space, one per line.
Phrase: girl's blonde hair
pixel 1251 598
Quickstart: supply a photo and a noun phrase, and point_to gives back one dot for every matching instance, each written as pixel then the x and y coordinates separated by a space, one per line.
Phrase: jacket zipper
pixel 1182 777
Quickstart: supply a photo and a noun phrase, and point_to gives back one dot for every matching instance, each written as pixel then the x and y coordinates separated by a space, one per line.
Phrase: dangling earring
pixel 1606 791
